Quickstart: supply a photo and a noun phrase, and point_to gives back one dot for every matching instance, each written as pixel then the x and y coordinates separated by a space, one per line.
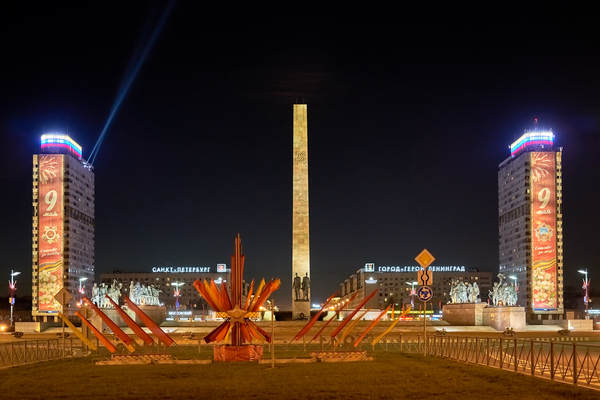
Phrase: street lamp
pixel 12 289
pixel 177 293
pixel 412 293
pixel 586 286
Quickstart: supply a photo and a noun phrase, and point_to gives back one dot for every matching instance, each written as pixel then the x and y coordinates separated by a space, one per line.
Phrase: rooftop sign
pixel 530 139
pixel 416 268
pixel 59 141
pixel 221 268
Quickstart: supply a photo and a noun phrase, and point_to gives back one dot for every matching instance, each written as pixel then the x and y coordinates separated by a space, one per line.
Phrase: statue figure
pixel 463 292
pixel 101 293
pixel 297 285
pixel 305 286
pixel 155 295
pixel 475 293
pixel 136 294
pixel 454 296
pixel 95 294
pixel 493 295
pixel 503 293
pixel 115 292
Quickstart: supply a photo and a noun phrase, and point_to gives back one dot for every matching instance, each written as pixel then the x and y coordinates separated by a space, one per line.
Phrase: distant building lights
pixel 530 139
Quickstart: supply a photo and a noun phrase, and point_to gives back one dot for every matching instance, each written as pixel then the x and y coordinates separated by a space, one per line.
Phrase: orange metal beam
pixel 352 314
pixel 105 342
pixel 113 327
pixel 313 320
pixel 337 312
pixel 160 334
pixel 131 323
pixel 371 326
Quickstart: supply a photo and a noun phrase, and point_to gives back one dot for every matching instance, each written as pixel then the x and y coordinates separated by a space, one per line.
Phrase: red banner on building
pixel 543 231
pixel 50 237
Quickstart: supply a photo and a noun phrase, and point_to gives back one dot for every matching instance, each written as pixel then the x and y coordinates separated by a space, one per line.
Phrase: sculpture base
pixel 229 353
pixel 464 314
pixel 501 318
pixel 158 314
pixel 300 310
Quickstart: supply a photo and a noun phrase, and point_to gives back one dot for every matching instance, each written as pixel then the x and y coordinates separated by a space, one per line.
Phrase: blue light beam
pixel 130 74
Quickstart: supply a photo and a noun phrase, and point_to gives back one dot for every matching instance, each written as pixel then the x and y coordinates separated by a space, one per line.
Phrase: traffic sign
pixel 425 277
pixel 425 293
pixel 63 297
pixel 425 258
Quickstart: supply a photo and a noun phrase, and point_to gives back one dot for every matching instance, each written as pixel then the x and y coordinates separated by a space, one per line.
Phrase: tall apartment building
pixel 63 224
pixel 530 223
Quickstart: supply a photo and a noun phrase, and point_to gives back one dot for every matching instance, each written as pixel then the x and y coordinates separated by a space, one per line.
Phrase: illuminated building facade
pixel 63 223
pixel 530 223
pixel 394 284
pixel 164 279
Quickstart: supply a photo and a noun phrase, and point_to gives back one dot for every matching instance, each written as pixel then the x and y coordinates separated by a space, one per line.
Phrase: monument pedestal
pixel 230 353
pixel 158 314
pixel 501 318
pixel 464 314
pixel 300 310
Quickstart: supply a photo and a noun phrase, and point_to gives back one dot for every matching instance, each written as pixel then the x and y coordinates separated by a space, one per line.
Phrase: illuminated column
pixel 300 233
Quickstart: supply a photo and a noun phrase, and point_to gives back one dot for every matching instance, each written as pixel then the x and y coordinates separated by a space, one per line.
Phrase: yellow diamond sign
pixel 425 258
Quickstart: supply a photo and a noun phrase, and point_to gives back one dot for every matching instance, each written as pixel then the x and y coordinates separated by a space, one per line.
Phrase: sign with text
pixel 543 231
pixel 50 235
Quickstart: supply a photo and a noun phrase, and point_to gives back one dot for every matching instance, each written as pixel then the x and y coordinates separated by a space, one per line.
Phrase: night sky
pixel 407 125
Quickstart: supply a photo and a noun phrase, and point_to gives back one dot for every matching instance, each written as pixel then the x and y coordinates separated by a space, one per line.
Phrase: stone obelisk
pixel 301 285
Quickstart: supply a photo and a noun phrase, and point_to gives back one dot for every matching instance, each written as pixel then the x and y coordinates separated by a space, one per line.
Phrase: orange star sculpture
pixel 237 313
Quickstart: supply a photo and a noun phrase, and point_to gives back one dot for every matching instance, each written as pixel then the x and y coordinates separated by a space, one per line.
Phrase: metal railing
pixel 568 362
pixel 32 351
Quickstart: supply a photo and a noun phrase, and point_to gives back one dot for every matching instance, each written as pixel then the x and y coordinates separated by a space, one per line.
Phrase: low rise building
pixel 397 284
pixel 165 278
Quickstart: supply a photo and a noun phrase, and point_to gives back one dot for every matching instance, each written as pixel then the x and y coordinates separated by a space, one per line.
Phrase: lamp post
pixel 176 294
pixel 586 285
pixel 412 293
pixel 12 289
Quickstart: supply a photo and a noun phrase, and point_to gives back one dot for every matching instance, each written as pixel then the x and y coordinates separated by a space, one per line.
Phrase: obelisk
pixel 301 285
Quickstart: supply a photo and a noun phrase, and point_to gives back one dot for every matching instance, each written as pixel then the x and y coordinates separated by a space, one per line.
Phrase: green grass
pixel 390 376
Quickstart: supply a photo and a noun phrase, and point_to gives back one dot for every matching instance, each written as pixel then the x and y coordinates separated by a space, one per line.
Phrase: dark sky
pixel 407 126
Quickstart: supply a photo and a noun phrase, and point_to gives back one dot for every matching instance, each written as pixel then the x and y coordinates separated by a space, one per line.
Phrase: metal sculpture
pixel 371 326
pixel 113 327
pixel 351 327
pixel 131 323
pixel 237 313
pixel 159 333
pixel 78 333
pixel 103 339
pixel 314 319
pixel 353 313
pixel 337 312
pixel 389 329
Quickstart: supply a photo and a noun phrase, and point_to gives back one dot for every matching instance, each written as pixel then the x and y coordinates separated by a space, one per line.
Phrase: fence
pixel 32 351
pixel 566 361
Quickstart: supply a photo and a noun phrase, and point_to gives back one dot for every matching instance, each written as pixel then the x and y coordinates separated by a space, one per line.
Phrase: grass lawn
pixel 390 376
